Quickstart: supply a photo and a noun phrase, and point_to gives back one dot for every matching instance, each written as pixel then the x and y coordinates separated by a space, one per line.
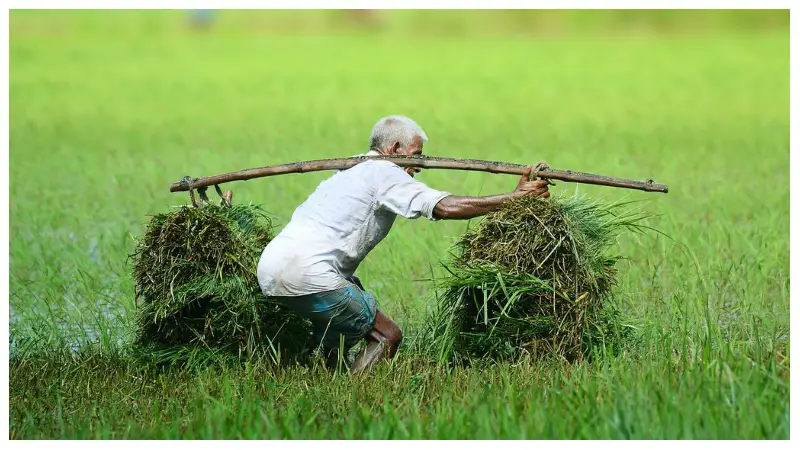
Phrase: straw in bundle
pixel 195 278
pixel 533 278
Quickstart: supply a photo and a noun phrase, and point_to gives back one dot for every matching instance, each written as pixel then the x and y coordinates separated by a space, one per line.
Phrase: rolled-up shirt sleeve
pixel 400 193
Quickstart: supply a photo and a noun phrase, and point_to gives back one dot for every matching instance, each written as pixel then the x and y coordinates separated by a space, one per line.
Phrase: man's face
pixel 414 149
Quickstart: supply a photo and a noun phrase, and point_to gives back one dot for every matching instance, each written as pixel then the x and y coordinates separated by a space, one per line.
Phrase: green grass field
pixel 102 123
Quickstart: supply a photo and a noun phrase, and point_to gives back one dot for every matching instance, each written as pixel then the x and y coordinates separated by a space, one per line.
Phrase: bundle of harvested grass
pixel 532 278
pixel 195 279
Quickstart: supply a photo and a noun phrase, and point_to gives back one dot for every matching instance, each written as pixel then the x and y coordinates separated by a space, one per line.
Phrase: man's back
pixel 338 225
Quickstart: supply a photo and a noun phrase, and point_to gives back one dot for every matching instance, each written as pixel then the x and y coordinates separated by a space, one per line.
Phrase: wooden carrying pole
pixel 423 162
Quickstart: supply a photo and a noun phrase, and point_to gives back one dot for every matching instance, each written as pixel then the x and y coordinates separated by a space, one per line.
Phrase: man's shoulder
pixel 379 165
pixel 372 163
pixel 382 163
pixel 374 171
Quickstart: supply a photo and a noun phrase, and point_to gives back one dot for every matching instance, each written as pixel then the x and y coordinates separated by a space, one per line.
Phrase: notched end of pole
pixel 185 184
pixel 652 186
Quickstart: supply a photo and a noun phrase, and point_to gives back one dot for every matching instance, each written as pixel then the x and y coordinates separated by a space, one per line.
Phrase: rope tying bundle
pixel 188 183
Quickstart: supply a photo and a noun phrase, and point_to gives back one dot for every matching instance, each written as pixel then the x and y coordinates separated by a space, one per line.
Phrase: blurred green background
pixel 398 22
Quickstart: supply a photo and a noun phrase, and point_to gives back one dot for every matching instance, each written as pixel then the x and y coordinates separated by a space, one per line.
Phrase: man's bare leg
pixel 382 343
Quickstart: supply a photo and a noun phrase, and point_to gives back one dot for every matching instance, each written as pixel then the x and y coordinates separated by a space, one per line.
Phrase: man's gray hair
pixel 393 129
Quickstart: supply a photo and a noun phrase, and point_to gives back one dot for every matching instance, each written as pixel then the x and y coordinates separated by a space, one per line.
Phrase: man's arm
pixel 456 207
pixel 459 208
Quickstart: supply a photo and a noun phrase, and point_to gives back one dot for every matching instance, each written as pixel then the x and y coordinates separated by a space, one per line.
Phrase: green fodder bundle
pixel 195 278
pixel 532 279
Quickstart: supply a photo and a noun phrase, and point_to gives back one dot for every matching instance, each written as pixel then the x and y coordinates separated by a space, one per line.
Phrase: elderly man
pixel 310 264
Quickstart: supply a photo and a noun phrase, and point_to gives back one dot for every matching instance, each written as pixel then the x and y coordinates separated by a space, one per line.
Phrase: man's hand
pixel 355 280
pixel 537 188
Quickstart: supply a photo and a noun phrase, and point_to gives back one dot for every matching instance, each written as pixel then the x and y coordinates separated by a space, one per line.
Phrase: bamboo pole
pixel 423 162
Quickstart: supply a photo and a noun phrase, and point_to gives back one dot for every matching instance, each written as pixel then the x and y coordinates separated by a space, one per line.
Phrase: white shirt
pixel 333 230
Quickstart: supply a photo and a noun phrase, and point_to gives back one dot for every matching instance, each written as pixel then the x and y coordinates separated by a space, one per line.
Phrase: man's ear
pixel 395 147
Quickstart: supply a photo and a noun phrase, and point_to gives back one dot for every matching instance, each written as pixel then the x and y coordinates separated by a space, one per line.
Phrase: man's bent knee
pixel 395 335
pixel 388 329
pixel 388 337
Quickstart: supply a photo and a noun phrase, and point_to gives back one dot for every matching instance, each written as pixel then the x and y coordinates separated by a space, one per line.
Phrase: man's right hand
pixel 537 188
